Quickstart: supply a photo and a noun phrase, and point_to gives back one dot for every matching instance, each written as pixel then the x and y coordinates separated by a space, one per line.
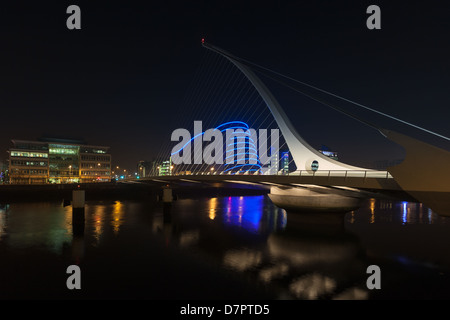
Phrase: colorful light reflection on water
pixel 247 235
pixel 248 213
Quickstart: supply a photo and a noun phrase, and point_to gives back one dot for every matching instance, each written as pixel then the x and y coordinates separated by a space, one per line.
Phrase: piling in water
pixel 78 200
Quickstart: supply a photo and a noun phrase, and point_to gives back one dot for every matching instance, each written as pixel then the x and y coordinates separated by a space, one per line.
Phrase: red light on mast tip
pixel 203 40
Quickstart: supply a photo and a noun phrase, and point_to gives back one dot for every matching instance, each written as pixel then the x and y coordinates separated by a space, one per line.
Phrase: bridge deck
pixel 374 180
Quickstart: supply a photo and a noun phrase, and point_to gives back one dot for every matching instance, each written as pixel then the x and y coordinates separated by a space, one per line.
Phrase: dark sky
pixel 115 81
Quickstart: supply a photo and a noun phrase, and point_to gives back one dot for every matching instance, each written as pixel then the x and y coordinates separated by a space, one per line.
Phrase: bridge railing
pixel 343 173
pixel 320 173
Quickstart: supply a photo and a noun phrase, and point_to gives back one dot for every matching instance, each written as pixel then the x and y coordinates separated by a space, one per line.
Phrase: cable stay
pixel 249 63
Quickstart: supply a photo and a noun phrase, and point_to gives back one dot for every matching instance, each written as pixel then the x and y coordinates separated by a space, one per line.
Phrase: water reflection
pixel 292 256
pixel 42 224
pixel 50 226
pixel 212 208
pixel 248 212
pixel 372 210
pixel 405 213
pixel 307 256
pixel 318 257
pixel 117 216
pixel 247 215
pixel 97 213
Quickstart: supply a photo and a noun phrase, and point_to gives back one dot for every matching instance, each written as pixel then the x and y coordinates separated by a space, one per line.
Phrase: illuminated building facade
pixel 274 163
pixel 285 162
pixel 165 169
pixel 58 161
pixel 327 152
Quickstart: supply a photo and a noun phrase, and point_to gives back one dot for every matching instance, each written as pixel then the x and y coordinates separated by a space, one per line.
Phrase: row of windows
pixel 89 150
pixel 63 166
pixel 62 151
pixel 95 165
pixel 29 180
pixel 28 163
pixel 26 171
pixel 95 158
pixel 29 154
pixel 63 174
pixel 31 146
pixel 58 157
pixel 62 158
pixel 56 173
pixel 95 173
pixel 59 148
pixel 53 172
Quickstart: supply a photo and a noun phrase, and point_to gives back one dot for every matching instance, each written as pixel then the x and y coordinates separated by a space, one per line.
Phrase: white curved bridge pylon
pixel 302 153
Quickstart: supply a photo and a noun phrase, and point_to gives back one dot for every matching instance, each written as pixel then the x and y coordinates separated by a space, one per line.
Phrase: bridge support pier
pixel 78 201
pixel 304 200
pixel 167 199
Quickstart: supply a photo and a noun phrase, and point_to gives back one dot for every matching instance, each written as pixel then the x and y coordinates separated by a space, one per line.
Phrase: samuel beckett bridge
pixel 319 183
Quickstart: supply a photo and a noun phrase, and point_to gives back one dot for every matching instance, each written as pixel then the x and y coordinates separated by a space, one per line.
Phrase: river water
pixel 223 248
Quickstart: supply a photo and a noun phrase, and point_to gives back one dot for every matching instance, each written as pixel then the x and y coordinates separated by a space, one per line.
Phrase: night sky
pixel 117 81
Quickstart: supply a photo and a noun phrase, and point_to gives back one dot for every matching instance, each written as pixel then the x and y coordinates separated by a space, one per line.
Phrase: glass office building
pixel 58 161
pixel 165 169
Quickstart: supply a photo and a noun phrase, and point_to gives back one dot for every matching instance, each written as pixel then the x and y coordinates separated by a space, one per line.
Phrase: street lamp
pixel 70 172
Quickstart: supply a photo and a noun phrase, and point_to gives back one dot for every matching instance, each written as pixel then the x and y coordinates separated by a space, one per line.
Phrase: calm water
pixel 223 248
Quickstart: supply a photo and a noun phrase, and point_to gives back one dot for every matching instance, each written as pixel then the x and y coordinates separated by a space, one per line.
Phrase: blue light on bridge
pixel 244 165
pixel 241 122
pixel 202 133
pixel 252 152
pixel 198 135
pixel 250 146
